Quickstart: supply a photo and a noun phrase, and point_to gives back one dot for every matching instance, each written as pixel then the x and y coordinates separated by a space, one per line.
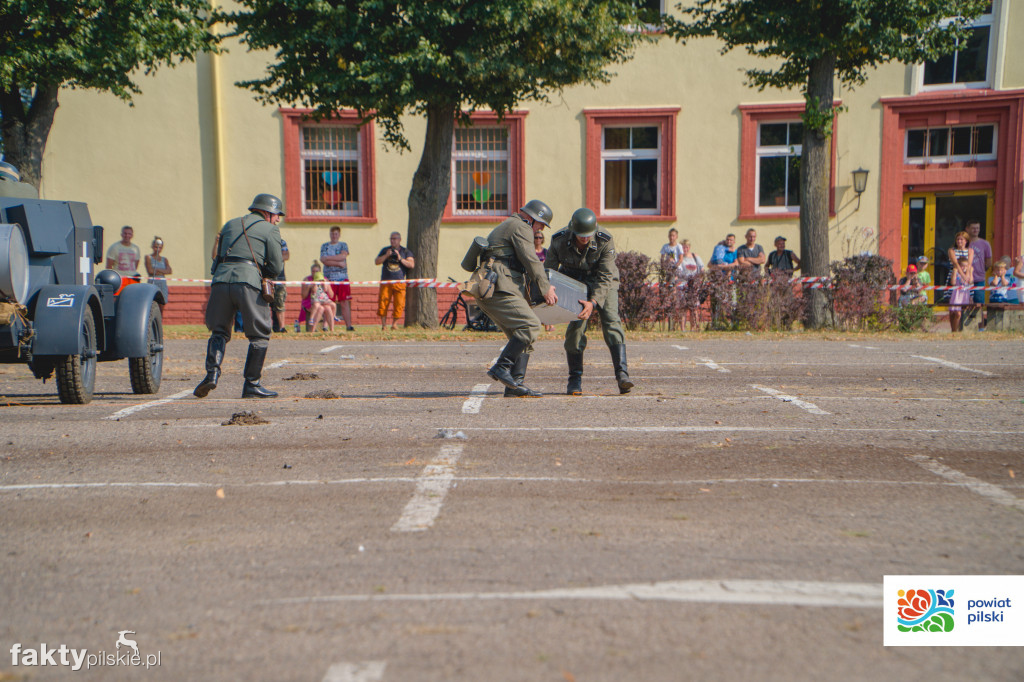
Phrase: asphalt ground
pixel 731 518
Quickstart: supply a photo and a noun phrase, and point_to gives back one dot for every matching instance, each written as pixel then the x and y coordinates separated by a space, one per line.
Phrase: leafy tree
pixel 810 44
pixel 46 45
pixel 439 58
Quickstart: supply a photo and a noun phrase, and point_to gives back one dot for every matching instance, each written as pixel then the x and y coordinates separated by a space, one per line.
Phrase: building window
pixel 328 168
pixel 778 166
pixel 968 66
pixel 487 168
pixel 770 152
pixel 951 144
pixel 650 11
pixel 631 163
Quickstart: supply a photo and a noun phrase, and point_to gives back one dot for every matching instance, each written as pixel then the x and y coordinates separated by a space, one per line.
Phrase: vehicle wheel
pixel 145 372
pixel 76 374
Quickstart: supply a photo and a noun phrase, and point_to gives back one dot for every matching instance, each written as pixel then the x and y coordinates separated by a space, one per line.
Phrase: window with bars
pixel 952 143
pixel 969 64
pixel 330 162
pixel 778 165
pixel 630 159
pixel 480 171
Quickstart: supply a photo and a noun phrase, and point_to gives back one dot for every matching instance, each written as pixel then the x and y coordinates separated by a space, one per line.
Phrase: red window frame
pixel 663 117
pixel 752 116
pixel 515 121
pixel 292 122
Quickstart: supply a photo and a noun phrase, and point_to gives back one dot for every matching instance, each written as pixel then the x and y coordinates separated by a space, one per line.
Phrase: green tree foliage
pixel 438 58
pixel 808 44
pixel 46 45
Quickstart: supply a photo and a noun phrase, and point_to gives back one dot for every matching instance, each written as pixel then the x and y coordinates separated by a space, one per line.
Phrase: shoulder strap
pixel 246 235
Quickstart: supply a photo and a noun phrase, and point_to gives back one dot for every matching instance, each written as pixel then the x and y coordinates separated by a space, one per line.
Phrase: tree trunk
pixel 815 168
pixel 25 131
pixel 431 186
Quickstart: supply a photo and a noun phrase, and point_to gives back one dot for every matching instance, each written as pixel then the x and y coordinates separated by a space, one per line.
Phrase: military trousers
pixel 513 315
pixel 611 326
pixel 226 299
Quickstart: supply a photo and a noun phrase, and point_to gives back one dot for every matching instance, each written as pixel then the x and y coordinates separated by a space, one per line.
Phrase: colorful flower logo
pixel 925 611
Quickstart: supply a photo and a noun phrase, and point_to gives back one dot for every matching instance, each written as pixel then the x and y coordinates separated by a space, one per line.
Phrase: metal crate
pixel 569 292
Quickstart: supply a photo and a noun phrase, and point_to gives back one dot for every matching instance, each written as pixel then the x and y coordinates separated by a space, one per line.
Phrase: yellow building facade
pixel 676 140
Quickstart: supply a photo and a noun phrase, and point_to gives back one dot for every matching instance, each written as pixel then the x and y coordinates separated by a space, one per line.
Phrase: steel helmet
pixel 9 172
pixel 268 203
pixel 539 211
pixel 583 223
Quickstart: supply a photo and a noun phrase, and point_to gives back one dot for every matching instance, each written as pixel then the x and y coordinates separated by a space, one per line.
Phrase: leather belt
pixel 513 264
pixel 237 259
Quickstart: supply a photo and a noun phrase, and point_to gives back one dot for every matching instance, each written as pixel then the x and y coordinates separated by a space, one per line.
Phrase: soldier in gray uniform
pixel 585 252
pixel 516 264
pixel 237 273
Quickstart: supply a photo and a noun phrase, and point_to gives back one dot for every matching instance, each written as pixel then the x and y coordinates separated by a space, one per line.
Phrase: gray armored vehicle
pixel 55 316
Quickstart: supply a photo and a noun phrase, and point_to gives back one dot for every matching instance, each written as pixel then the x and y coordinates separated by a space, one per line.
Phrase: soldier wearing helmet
pixel 510 244
pixel 585 252
pixel 246 250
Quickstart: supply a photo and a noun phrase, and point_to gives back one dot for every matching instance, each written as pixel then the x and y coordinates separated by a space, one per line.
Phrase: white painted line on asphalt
pixel 142 406
pixel 853 345
pixel 368 671
pixel 953 365
pixel 330 348
pixel 771 592
pixel 431 488
pixel 711 364
pixel 280 363
pixel 975 485
pixel 803 404
pixel 475 399
pixel 712 429
pixel 681 347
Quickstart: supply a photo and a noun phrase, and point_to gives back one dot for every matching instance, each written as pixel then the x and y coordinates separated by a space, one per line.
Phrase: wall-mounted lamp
pixel 860 183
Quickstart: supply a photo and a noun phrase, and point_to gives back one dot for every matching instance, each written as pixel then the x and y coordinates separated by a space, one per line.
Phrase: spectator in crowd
pixel 910 288
pixel 1018 271
pixel 960 249
pixel 318 299
pixel 751 254
pixel 924 277
pixel 396 261
pixel 673 251
pixel 689 263
pixel 782 259
pixel 334 256
pixel 723 258
pixel 981 262
pixel 1004 283
pixel 280 294
pixel 542 253
pixel 124 256
pixel 158 267
pixel 961 279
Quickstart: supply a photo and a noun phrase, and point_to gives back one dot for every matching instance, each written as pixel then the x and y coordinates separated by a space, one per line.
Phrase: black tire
pixel 76 374
pixel 146 371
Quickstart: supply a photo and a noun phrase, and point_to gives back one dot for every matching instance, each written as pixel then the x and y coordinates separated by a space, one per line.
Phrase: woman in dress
pixel 317 299
pixel 961 269
pixel 158 267
pixel 690 265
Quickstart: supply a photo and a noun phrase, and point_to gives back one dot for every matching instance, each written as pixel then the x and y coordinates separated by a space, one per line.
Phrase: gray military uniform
pixel 516 263
pixel 594 265
pixel 237 278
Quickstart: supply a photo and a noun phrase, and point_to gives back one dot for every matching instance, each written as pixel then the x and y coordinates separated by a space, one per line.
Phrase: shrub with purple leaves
pixel 858 291
pixel 635 272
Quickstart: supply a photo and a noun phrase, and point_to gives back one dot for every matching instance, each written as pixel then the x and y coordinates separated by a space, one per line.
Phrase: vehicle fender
pixel 58 315
pixel 130 323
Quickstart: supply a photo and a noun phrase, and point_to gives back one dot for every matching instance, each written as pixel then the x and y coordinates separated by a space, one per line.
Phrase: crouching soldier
pixel 585 252
pixel 510 244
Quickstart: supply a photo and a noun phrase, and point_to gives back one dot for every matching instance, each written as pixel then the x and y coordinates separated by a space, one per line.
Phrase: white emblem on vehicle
pixel 61 301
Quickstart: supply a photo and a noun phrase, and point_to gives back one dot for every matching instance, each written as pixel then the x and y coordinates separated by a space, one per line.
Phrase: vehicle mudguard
pixel 130 323
pixel 57 319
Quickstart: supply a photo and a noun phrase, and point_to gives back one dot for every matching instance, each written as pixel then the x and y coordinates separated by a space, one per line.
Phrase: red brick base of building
pixel 187 304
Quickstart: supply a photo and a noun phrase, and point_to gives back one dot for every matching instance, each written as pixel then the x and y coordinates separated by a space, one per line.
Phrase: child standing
pixel 1003 294
pixel 961 294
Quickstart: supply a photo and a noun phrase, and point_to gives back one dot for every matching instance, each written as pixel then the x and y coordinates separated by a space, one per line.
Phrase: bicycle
pixel 476 323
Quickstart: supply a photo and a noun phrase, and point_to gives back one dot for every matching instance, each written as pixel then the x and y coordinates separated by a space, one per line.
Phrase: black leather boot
pixel 621 370
pixel 214 356
pixel 575 385
pixel 502 369
pixel 519 373
pixel 253 371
